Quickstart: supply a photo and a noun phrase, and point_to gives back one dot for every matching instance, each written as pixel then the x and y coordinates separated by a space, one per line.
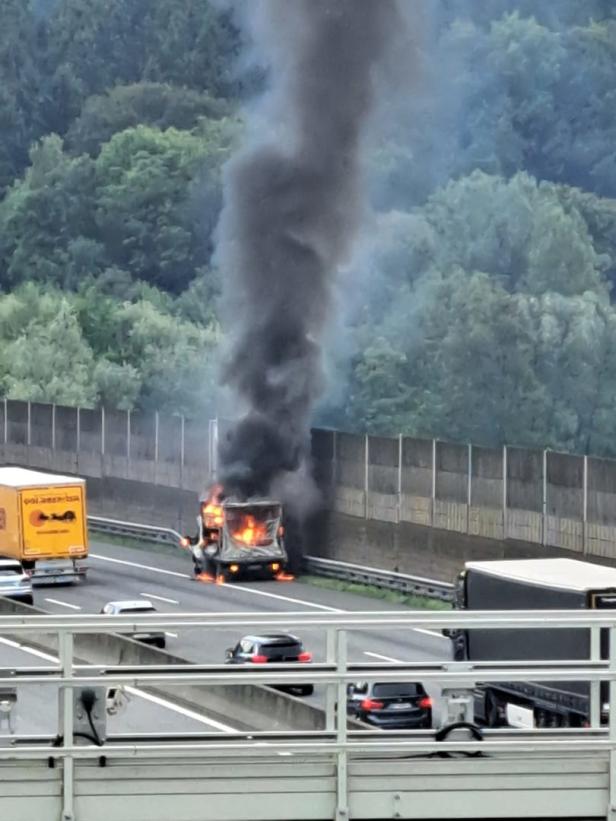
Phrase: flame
pixel 206 578
pixel 284 577
pixel 211 510
pixel 220 579
pixel 252 533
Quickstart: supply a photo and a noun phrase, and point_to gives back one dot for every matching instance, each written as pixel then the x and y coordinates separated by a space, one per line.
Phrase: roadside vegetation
pixel 415 602
pixel 480 303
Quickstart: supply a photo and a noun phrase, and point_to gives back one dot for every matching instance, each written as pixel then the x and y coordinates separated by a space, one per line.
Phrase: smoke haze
pixel 293 203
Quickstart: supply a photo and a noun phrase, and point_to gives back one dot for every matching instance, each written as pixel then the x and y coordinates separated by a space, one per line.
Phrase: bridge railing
pixel 337 742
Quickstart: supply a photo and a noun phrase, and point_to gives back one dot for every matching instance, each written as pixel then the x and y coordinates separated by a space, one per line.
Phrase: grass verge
pixel 416 602
pixel 126 541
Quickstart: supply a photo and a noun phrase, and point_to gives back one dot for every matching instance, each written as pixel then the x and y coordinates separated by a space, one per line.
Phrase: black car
pixel 391 705
pixel 274 648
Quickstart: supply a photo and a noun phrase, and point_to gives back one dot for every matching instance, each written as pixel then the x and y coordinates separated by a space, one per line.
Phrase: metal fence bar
pixel 595 687
pixel 504 491
pixel 585 506
pixel 544 498
pixel 68 780
pixel 433 488
pixel 366 474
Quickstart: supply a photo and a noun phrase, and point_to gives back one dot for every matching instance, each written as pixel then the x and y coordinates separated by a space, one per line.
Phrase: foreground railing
pixel 337 743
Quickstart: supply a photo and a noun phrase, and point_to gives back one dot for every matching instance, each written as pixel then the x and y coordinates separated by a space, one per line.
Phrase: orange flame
pixel 252 533
pixel 220 579
pixel 206 578
pixel 211 510
pixel 284 577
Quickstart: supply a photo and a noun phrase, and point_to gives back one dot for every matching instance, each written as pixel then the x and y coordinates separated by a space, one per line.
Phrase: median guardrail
pixel 343 571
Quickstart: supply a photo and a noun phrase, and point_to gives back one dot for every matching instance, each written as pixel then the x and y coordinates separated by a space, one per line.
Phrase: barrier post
pixel 65 642
pixel 342 802
pixel 585 506
pixel 504 491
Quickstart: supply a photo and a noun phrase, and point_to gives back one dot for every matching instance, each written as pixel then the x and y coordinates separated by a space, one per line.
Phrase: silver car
pixel 14 581
pixel 129 608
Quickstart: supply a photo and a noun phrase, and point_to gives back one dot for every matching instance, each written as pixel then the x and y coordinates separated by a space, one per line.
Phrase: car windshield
pixel 395 690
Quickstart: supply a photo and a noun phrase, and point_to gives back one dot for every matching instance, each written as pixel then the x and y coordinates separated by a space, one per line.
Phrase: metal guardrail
pixel 383 579
pixel 343 571
pixel 134 530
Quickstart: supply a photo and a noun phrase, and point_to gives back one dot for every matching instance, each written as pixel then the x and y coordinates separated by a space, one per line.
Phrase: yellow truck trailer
pixel 43 523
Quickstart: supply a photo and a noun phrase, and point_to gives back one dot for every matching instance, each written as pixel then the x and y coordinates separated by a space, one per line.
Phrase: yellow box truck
pixel 43 524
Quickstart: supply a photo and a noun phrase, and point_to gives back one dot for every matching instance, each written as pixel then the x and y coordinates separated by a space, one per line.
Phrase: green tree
pixel 47 360
pixel 156 104
pixel 149 184
pixel 45 217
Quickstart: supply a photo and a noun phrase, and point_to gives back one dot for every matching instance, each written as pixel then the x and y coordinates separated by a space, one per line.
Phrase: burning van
pixel 238 539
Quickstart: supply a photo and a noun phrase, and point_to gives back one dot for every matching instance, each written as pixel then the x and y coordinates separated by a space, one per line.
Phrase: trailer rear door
pixel 54 521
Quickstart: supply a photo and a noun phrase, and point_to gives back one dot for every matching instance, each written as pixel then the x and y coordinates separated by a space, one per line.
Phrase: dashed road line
pixel 63 604
pixel 158 598
pixel 382 658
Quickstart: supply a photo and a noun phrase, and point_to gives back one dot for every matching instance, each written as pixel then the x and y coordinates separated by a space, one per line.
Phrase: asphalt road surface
pixel 164 578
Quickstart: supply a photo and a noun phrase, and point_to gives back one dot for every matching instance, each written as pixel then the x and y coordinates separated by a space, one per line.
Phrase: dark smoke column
pixel 293 202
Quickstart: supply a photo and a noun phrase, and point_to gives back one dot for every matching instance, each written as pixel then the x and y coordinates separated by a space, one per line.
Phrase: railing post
pixel 53 426
pixel 29 428
pixel 504 491
pixel 544 499
pixel 182 444
pixel 6 422
pixel 469 487
pixel 78 434
pixel 65 642
pixel 331 688
pixel 102 431
pixel 433 489
pixel 128 433
pixel 399 488
pixel 585 506
pixel 366 474
pixel 342 799
pixel 611 814
pixel 595 686
pixel 334 471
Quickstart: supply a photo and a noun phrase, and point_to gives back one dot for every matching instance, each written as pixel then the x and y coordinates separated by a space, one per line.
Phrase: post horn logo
pixel 38 518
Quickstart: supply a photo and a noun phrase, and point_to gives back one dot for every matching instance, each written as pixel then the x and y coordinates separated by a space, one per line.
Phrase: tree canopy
pixel 480 301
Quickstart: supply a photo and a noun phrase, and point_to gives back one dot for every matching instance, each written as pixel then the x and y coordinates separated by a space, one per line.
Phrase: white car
pixel 15 583
pixel 129 608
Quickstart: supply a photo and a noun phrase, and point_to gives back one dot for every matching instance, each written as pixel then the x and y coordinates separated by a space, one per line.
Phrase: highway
pixel 164 578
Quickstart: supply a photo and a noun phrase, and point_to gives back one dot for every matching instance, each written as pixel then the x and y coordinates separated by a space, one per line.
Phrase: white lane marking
pixel 63 604
pixel 30 650
pixel 171 635
pixel 158 598
pixel 382 658
pixel 287 598
pixel 430 633
pixel 234 587
pixel 245 589
pixel 140 566
pixel 169 705
pixel 162 702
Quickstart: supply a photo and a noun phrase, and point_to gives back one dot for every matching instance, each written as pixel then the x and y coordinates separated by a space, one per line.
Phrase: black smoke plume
pixel 293 203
